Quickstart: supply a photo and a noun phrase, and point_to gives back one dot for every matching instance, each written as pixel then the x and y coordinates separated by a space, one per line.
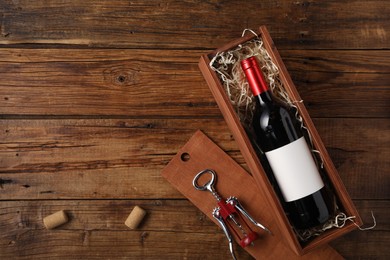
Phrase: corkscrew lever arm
pixel 221 222
pixel 236 203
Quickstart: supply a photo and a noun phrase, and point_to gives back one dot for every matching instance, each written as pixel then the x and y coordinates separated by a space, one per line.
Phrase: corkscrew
pixel 230 214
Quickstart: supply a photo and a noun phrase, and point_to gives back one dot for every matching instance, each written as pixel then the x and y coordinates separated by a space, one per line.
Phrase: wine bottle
pixel 279 135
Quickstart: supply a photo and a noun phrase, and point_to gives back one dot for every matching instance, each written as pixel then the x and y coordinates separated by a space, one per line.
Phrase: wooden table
pixel 97 96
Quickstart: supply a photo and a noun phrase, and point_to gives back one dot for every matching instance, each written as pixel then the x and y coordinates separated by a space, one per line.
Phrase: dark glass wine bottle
pixel 279 136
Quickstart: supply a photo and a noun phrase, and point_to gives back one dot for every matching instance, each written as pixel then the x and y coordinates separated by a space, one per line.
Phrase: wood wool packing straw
pixel 135 217
pixel 56 219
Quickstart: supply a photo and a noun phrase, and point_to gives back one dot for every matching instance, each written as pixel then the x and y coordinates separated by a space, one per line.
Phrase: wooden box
pixel 252 160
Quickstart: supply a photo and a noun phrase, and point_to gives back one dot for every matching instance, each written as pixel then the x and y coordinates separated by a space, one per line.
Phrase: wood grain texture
pixel 187 24
pixel 97 96
pixel 130 83
pixel 96 225
pixel 93 155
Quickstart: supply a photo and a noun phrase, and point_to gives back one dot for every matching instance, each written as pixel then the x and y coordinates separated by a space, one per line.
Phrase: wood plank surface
pixel 92 156
pixel 113 82
pixel 96 97
pixel 99 224
pixel 196 24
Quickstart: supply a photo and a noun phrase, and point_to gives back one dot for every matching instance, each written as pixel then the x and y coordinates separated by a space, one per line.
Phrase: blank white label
pixel 295 170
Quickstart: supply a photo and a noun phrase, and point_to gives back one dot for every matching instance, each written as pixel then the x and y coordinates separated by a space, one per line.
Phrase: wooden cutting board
pixel 201 153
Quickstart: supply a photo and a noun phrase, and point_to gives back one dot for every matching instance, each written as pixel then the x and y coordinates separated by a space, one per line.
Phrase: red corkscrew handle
pixel 248 239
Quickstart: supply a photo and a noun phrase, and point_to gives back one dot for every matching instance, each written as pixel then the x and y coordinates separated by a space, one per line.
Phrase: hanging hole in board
pixel 185 157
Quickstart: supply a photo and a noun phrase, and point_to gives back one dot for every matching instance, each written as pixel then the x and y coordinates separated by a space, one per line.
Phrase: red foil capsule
pixel 254 75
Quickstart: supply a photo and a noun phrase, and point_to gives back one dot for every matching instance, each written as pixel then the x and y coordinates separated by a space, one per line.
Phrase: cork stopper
pixel 135 217
pixel 56 219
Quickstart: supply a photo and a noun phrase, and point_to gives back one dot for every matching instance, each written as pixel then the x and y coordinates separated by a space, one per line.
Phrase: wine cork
pixel 135 217
pixel 56 219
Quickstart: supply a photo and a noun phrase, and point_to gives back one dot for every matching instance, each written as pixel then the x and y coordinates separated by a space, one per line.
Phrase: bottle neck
pixel 264 98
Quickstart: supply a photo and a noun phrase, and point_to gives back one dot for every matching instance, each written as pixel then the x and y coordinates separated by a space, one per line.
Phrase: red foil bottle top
pixel 254 75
